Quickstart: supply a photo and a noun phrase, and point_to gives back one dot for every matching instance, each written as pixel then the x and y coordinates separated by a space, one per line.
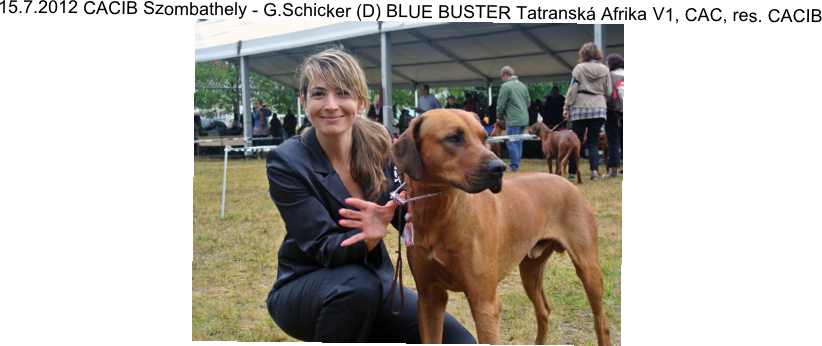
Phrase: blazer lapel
pixel 326 175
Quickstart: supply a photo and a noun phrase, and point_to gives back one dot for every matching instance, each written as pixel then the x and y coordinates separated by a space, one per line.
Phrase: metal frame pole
pixel 225 170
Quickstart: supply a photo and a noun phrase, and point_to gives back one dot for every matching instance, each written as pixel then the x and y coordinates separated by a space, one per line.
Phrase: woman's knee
pixel 359 285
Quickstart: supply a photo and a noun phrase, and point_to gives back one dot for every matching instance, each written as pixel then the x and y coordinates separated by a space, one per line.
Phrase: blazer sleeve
pixel 308 221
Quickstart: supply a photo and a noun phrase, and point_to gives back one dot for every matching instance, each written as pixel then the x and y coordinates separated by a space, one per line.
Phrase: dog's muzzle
pixel 497 168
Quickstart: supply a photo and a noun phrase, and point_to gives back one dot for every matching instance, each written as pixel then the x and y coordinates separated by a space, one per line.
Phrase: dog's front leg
pixel 431 311
pixel 485 310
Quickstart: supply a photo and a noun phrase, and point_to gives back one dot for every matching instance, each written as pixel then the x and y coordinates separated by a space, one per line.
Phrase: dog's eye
pixel 453 138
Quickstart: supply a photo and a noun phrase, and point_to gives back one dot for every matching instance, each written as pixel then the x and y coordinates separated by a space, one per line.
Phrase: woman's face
pixel 332 111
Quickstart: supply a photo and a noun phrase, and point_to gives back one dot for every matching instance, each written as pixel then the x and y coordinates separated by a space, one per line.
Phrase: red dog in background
pixel 496 148
pixel 561 144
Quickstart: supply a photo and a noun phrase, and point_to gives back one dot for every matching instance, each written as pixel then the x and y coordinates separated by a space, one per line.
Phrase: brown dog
pixel 602 144
pixel 562 144
pixel 469 239
pixel 496 148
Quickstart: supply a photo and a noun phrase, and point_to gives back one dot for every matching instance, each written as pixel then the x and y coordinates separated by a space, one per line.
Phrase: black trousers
pixel 614 132
pixel 593 126
pixel 344 304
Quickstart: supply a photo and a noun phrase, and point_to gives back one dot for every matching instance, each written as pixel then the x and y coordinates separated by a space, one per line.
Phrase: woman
pixel 451 102
pixel 375 110
pixel 331 187
pixel 613 124
pixel 260 130
pixel 585 103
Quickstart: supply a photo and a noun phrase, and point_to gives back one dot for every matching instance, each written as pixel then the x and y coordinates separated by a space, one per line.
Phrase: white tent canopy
pixel 402 55
pixel 439 54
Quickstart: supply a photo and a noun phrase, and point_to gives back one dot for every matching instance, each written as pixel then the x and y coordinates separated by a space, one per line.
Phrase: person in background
pixel 375 110
pixel 533 112
pixel 426 102
pixel 492 112
pixel 289 125
pixel 585 103
pixel 613 123
pixel 276 127
pixel 554 104
pixel 451 102
pixel 514 100
pixel 404 121
pixel 469 105
pixel 260 129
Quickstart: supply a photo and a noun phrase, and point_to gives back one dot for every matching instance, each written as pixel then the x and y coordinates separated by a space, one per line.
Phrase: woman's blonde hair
pixel 370 141
pixel 589 51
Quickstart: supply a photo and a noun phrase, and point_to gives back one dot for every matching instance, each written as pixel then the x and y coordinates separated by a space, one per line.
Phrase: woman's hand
pixel 371 218
pixel 565 114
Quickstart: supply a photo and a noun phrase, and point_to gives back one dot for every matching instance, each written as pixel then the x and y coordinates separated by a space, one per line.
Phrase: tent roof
pixel 439 54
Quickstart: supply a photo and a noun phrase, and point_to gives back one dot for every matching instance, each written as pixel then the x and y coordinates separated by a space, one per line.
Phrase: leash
pixel 560 123
pixel 402 201
pixel 408 237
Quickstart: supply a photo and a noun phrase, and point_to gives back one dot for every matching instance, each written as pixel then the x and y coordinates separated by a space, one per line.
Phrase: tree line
pixel 217 90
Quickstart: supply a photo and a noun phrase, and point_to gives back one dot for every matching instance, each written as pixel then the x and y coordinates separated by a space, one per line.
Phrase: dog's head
pixel 447 147
pixel 498 127
pixel 537 128
pixel 540 130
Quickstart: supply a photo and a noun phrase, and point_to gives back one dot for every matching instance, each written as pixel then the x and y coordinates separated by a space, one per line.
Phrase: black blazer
pixel 309 194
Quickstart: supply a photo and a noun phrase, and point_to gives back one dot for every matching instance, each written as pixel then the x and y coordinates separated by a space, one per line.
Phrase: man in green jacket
pixel 513 108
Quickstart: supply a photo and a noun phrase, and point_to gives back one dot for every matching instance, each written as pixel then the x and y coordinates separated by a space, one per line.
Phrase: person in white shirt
pixel 427 101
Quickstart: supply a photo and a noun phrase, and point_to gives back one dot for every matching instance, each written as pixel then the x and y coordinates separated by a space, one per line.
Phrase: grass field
pixel 235 263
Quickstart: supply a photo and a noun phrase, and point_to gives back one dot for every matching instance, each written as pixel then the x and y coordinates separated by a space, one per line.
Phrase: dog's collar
pixel 403 201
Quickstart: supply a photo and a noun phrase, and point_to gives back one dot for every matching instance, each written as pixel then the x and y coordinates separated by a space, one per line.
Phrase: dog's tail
pixel 576 158
pixel 562 162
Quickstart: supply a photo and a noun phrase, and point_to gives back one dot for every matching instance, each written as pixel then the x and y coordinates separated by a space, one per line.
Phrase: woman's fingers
pixel 392 203
pixel 358 203
pixel 354 239
pixel 350 214
pixel 369 218
pixel 351 223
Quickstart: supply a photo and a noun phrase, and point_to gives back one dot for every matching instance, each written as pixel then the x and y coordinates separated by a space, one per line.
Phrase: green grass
pixel 235 263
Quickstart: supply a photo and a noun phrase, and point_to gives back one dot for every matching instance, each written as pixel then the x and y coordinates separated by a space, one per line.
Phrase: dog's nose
pixel 496 167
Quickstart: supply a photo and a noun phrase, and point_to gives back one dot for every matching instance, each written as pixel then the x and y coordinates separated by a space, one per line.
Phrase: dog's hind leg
pixel 583 252
pixel 531 271
pixel 563 167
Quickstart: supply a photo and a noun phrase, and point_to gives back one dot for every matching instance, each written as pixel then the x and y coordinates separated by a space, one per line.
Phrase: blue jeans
pixel 515 147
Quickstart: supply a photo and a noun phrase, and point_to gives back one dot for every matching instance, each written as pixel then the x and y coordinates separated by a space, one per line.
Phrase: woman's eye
pixel 317 93
pixel 343 93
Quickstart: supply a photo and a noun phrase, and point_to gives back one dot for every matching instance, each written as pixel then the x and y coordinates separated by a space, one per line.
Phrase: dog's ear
pixel 477 117
pixel 405 153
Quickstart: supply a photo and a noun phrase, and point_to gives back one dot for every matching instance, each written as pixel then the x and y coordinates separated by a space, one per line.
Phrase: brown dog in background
pixel 468 239
pixel 562 144
pixel 602 144
pixel 496 148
